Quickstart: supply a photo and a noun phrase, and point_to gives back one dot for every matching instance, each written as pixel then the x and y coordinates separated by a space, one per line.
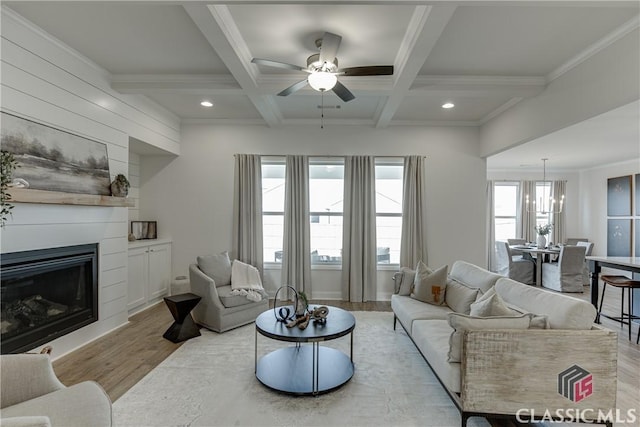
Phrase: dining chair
pixel 566 274
pixel 514 242
pixel 574 240
pixel 585 268
pixel 514 266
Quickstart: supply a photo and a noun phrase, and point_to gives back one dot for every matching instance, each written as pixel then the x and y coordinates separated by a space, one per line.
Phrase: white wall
pixel 46 82
pixel 593 206
pixel 606 80
pixel 192 195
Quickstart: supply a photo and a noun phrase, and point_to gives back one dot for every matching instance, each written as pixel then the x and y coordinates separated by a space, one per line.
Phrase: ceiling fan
pixel 323 69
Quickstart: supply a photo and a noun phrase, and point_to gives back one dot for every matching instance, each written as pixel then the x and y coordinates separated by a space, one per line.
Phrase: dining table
pixel 596 263
pixel 540 254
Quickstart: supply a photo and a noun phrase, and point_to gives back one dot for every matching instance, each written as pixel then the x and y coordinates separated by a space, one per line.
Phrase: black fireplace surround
pixel 46 293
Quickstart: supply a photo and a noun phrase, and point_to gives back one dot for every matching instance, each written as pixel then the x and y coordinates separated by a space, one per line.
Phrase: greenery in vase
pixel 9 164
pixel 543 230
pixel 122 181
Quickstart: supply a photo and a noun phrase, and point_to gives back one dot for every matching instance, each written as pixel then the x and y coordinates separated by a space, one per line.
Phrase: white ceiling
pixel 483 55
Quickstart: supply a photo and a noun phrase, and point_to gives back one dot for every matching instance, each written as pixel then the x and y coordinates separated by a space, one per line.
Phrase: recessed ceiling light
pixel 448 105
pixel 206 104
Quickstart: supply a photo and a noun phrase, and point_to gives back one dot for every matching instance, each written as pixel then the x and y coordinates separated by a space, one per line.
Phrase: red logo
pixel 575 383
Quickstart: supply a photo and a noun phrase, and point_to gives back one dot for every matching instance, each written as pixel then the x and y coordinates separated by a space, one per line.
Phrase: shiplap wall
pixel 47 82
pixel 134 190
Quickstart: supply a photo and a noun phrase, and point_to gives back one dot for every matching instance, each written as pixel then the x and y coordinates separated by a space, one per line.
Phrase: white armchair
pixel 31 395
pixel 566 274
pixel 514 267
pixel 218 309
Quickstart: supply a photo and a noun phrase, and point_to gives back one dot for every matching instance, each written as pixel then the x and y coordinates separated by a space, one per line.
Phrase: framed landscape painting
pixel 54 160
pixel 619 237
pixel 619 196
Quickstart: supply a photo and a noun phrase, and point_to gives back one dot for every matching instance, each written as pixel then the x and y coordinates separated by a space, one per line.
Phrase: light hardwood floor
pixel 121 358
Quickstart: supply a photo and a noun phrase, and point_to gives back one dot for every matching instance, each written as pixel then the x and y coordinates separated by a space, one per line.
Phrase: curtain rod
pixel 328 155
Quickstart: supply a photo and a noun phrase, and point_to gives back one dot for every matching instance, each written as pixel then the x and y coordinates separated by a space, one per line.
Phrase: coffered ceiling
pixel 483 56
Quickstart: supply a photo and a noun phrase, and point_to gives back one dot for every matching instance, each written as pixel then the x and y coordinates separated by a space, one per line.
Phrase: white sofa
pixel 32 396
pixel 503 371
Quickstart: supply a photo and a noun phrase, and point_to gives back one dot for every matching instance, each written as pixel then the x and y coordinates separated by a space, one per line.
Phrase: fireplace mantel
pixel 28 195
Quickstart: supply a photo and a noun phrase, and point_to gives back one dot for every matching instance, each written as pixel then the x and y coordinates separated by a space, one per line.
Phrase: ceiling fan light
pixel 322 81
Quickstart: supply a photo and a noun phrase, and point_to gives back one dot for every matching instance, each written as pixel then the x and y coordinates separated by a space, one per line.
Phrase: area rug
pixel 210 381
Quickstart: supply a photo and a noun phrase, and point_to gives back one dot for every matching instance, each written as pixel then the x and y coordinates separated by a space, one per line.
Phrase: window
pixel 505 210
pixel 389 173
pixel 273 208
pixel 326 193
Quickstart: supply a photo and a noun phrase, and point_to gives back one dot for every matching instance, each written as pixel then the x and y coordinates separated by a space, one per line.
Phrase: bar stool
pixel 621 282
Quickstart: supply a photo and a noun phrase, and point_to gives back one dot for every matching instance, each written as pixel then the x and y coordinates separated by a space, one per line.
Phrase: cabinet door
pixel 138 277
pixel 159 270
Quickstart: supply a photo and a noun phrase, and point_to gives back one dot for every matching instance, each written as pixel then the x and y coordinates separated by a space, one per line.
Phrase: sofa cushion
pixel 460 297
pixel 473 276
pixel 81 405
pixel 218 267
pixel 490 304
pixel 429 285
pixel 229 300
pixel 407 310
pixel 407 276
pixel 432 339
pixel 460 323
pixel 563 312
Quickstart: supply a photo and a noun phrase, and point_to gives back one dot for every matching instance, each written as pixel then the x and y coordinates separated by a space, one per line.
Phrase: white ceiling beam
pixel 424 30
pixel 192 84
pixel 462 86
pixel 221 32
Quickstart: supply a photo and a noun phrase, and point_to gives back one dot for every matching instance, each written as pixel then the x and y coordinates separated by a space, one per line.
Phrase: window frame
pixel 517 216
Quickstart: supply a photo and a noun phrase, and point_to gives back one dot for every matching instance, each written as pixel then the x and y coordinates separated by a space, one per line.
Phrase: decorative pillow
pixel 491 304
pixel 460 297
pixel 460 323
pixel 429 285
pixel 218 267
pixel 407 276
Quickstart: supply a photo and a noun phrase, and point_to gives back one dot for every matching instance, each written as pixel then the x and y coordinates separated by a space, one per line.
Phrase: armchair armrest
pixel 26 376
pixel 204 286
pixel 504 371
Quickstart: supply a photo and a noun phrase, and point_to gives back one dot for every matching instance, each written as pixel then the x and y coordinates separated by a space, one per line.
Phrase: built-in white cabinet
pixel 149 273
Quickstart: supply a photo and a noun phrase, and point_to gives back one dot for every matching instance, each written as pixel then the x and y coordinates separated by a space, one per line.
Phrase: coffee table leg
pixel 316 355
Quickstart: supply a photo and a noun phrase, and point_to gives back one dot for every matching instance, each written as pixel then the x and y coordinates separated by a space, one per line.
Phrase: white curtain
pixel 413 240
pixel 558 220
pixel 296 262
pixel 247 210
pixel 526 220
pixel 491 231
pixel 359 257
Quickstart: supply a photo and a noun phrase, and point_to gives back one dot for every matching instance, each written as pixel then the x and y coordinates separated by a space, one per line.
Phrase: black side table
pixel 184 327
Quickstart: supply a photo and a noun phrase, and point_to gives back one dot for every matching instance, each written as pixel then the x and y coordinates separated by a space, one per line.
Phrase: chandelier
pixel 546 203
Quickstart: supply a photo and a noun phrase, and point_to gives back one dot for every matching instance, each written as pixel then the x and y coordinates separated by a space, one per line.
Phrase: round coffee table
pixel 305 370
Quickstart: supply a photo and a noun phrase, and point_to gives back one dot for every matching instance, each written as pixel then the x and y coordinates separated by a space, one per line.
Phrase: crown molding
pixel 601 44
pixel 32 28
pixel 501 109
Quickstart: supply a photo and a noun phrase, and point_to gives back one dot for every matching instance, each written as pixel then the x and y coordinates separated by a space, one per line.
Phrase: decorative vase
pixel 118 189
pixel 542 241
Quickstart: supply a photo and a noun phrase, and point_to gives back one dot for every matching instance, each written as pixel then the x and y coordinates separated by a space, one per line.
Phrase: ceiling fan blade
pixel 329 47
pixel 276 64
pixel 294 87
pixel 373 70
pixel 342 92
